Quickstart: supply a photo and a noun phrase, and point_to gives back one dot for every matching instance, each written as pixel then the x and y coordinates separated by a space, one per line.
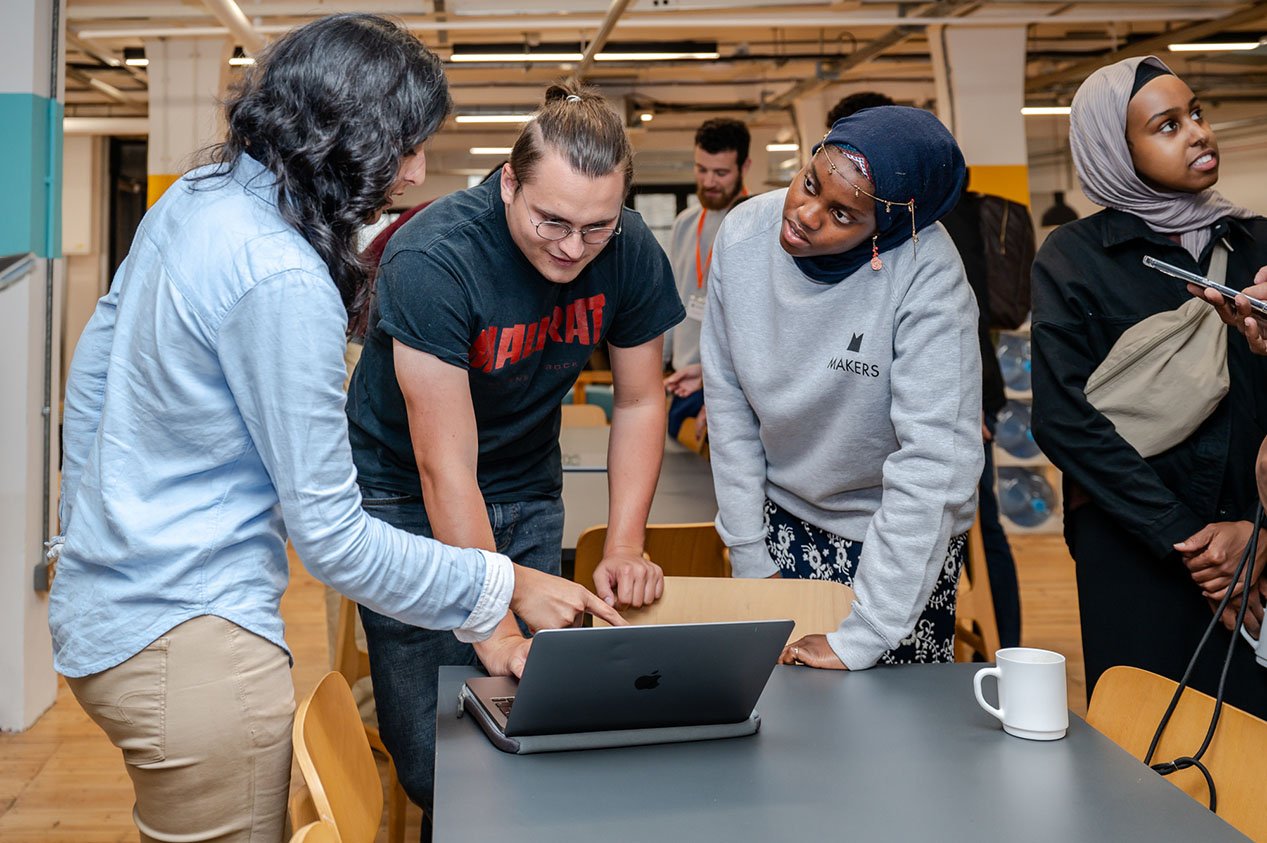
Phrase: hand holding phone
pixel 1258 306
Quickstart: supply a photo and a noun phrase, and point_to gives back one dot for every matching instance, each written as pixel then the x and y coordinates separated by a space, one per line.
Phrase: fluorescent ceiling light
pixel 1214 48
pixel 141 62
pixel 135 57
pixel 515 57
pixel 490 150
pixel 646 117
pixel 782 147
pixel 1045 110
pixel 241 61
pixel 492 118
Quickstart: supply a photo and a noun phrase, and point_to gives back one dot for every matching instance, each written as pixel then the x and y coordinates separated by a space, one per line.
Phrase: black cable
pixel 1245 565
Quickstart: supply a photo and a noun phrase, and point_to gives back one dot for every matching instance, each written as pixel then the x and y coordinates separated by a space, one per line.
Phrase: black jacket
pixel 1089 286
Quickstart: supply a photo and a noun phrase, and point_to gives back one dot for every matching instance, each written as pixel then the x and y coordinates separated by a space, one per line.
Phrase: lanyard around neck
pixel 701 266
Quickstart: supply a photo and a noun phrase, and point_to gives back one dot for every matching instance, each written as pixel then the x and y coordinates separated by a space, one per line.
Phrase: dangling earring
pixel 876 263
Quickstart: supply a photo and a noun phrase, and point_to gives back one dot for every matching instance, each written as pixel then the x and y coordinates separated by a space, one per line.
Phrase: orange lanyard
pixel 701 267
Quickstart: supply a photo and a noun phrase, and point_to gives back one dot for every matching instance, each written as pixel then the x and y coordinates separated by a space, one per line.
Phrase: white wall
pixel 29 684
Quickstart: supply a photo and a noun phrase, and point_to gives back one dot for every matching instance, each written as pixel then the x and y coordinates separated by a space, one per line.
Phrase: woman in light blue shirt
pixel 204 425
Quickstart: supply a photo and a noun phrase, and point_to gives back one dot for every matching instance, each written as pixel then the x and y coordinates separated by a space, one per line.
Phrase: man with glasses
pixel 490 302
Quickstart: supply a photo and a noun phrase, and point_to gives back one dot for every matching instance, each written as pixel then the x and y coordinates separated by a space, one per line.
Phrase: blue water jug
pixel 1013 433
pixel 1025 496
pixel 1014 360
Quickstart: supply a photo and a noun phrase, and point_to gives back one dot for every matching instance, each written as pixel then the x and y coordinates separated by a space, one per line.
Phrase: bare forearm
pixel 633 467
pixel 455 507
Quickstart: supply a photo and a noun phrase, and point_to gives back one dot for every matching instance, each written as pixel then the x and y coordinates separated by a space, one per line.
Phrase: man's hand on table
pixel 625 579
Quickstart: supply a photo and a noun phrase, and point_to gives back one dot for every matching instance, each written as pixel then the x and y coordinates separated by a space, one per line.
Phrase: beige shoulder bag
pixel 1166 374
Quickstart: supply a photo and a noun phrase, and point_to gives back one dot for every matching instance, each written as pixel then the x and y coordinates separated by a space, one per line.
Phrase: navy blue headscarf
pixel 912 155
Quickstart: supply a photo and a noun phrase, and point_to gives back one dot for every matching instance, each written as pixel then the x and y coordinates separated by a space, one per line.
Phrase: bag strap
pixel 1218 262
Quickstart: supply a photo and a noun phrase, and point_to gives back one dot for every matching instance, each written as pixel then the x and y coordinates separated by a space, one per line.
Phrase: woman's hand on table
pixel 812 651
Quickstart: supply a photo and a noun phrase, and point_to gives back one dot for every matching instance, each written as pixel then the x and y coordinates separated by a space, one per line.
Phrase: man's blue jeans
pixel 404 660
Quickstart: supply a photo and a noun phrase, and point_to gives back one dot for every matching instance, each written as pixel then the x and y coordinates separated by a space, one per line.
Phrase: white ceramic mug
pixel 1032 698
pixel 1259 645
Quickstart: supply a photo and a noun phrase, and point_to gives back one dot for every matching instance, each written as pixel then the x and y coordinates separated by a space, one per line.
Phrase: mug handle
pixel 1253 642
pixel 976 689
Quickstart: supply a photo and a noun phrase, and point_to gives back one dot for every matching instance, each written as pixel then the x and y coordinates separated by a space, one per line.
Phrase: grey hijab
pixel 1097 137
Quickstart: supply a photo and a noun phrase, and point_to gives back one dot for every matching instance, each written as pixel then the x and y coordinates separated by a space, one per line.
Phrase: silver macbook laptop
pixel 616 679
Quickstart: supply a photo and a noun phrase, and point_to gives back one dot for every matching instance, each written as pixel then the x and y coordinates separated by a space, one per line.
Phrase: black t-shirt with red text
pixel 452 283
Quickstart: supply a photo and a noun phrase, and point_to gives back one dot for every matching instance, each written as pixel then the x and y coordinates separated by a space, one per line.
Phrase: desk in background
pixel 889 754
pixel 684 493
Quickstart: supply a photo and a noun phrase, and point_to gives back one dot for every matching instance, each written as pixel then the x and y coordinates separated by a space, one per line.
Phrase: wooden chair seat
pixel 687 550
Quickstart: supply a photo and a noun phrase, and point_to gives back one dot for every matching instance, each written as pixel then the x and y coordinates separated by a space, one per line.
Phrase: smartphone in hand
pixel 1259 307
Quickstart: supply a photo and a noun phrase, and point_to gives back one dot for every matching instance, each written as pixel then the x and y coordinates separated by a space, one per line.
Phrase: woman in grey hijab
pixel 1154 539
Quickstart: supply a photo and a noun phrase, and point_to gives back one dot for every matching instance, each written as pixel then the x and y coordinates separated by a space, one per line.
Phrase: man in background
pixel 721 162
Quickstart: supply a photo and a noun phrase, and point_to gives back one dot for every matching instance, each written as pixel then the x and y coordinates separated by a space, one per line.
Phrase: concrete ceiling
pixel 771 52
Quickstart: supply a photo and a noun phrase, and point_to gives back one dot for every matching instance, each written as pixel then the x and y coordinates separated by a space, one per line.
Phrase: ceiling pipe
pixel 1195 32
pixel 235 21
pixel 696 22
pixel 614 11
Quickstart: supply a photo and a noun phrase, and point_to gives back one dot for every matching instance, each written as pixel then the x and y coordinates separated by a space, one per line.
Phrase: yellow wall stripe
pixel 157 185
pixel 1011 181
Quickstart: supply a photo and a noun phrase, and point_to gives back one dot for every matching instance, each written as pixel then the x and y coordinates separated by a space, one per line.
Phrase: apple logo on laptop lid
pixel 648 682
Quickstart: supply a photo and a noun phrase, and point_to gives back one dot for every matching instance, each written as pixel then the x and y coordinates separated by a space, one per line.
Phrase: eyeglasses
pixel 591 235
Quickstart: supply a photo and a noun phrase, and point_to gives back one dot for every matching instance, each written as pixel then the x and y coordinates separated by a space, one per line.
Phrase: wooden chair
pixel 316 832
pixel 686 438
pixel 584 415
pixel 1127 705
pixel 682 550
pixel 336 761
pixel 354 663
pixel 817 606
pixel 976 630
pixel 587 377
pixel 301 808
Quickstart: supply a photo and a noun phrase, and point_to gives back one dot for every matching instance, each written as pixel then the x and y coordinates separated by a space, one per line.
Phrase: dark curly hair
pixel 722 133
pixel 331 109
pixel 854 103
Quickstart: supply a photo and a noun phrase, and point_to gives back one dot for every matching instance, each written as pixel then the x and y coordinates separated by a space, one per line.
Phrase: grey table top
pixel 684 493
pixel 891 754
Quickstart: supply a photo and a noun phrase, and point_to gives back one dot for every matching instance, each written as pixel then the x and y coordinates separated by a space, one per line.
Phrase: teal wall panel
pixel 30 175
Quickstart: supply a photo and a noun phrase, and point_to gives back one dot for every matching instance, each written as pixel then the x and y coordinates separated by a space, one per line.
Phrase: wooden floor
pixel 62 780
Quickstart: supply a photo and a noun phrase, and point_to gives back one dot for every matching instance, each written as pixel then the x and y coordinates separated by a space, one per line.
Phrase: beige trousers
pixel 203 716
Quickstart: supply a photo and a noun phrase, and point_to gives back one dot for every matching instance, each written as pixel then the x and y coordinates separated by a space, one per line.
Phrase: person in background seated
pixel 204 426
pixel 843 378
pixel 963 223
pixel 1155 539
pixel 721 162
pixel 489 303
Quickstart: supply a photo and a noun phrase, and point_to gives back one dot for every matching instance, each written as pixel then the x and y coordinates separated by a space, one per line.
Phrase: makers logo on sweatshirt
pixel 852 365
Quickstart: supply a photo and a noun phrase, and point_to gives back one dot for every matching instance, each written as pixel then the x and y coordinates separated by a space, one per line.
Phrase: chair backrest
pixel 336 762
pixel 316 832
pixel 976 629
pixel 301 807
pixel 682 550
pixel 1127 705
pixel 817 606
pixel 584 415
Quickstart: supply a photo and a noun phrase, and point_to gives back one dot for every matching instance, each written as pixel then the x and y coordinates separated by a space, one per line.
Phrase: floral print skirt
pixel 803 551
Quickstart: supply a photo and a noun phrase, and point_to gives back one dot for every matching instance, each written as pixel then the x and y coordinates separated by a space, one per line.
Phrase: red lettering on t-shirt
pixel 596 303
pixel 578 324
pixel 580 321
pixel 481 354
pixel 511 345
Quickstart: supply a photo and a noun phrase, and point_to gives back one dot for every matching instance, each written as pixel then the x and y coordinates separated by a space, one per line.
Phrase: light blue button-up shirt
pixel 204 423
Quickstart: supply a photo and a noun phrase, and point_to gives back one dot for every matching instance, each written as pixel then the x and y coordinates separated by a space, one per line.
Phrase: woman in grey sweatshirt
pixel 842 374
